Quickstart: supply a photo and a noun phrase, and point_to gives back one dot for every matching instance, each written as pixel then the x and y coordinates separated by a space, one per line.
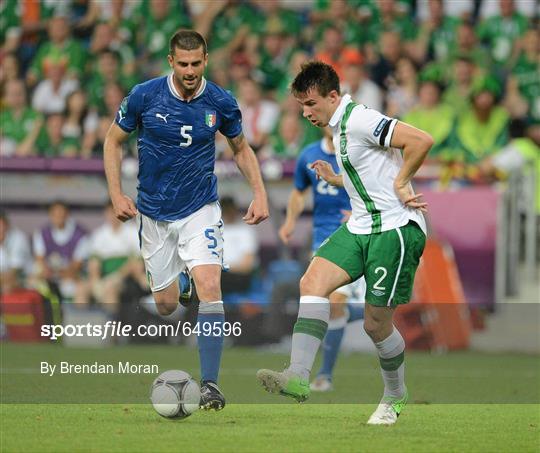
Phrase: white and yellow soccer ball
pixel 175 394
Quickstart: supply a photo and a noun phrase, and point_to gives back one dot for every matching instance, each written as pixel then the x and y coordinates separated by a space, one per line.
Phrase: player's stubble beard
pixel 186 89
pixel 189 90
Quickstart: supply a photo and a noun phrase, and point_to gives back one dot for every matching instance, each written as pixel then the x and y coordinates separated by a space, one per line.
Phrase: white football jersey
pixel 369 167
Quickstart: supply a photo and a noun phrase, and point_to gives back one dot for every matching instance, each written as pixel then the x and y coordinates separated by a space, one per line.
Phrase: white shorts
pixel 354 291
pixel 169 247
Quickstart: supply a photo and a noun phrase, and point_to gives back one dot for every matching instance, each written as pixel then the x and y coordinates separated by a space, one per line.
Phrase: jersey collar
pixel 336 117
pixel 176 94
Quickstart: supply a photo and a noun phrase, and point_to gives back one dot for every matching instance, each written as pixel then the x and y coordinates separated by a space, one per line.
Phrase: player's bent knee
pixel 311 286
pixel 372 327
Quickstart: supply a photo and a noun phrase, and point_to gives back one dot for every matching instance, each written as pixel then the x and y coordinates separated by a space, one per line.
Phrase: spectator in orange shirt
pixel 335 53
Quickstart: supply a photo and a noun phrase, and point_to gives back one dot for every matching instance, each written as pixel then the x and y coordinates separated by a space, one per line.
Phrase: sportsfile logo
pixel 119 329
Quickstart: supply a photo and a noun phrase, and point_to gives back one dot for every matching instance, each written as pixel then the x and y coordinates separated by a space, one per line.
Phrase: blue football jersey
pixel 176 144
pixel 328 201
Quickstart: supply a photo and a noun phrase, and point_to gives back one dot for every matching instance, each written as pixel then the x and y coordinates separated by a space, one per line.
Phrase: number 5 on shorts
pixel 209 233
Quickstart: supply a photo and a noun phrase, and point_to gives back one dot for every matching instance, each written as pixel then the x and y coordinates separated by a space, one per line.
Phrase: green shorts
pixel 388 260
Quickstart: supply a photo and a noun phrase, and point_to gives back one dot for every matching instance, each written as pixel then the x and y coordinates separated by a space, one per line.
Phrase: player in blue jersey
pixel 177 117
pixel 331 207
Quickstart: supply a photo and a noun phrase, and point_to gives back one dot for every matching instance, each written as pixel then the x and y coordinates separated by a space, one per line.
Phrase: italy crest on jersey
pixel 210 118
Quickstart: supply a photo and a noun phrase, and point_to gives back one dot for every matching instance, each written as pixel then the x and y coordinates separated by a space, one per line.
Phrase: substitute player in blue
pixel 177 117
pixel 331 207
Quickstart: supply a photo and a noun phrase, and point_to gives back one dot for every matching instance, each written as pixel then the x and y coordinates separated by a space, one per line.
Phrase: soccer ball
pixel 175 394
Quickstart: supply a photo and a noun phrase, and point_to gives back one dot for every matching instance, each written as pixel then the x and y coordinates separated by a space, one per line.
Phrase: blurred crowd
pixel 465 71
pixel 61 252
pixel 65 262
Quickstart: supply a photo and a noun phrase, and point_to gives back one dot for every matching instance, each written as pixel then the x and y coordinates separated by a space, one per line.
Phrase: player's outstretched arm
pixel 124 207
pixel 295 207
pixel 415 144
pixel 247 163
pixel 325 171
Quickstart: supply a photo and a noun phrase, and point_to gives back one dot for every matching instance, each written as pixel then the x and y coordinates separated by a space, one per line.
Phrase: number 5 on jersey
pixel 184 132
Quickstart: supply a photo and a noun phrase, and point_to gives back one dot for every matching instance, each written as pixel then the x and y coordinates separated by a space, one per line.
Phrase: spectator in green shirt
pixel 458 93
pixel 105 38
pixel 340 14
pixel 432 116
pixel 390 17
pixel 107 70
pixel 483 128
pixel 20 123
pixel 58 49
pixel 500 33
pixel 273 56
pixel 437 35
pixel 525 75
pixel 224 22
pixel 467 45
pixel 273 15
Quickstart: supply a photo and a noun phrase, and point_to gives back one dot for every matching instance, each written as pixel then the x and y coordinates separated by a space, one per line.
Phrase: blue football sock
pixel 210 346
pixel 356 312
pixel 331 345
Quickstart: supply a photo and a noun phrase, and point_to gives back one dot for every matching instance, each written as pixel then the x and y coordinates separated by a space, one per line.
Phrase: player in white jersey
pixel 382 241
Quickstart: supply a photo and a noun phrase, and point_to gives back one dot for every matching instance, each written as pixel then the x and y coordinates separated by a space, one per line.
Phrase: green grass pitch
pixel 459 402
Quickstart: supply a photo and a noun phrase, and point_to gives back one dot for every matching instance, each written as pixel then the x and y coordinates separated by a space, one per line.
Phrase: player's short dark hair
pixel 315 75
pixel 187 40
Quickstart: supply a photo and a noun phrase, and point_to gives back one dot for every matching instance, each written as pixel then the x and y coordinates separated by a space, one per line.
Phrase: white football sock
pixel 309 331
pixel 391 356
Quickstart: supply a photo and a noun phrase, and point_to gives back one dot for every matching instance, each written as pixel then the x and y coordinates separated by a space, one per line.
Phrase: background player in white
pixel 383 239
pixel 177 117
pixel 331 207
